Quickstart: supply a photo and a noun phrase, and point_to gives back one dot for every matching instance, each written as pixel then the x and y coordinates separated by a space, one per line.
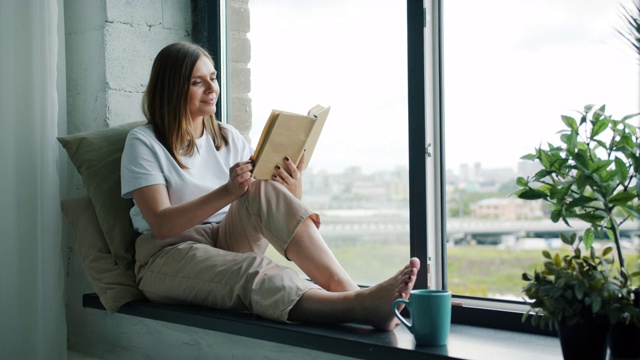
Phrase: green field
pixel 472 270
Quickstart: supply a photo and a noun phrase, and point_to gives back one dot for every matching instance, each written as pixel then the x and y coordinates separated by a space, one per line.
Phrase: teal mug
pixel 430 312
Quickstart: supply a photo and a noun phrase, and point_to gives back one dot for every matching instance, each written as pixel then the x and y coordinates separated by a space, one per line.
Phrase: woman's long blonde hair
pixel 165 101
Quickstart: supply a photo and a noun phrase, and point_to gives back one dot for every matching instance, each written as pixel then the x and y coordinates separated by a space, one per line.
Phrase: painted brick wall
pixel 110 47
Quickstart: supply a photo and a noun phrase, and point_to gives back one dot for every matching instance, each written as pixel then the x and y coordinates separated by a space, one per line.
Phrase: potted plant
pixel 591 176
pixel 625 333
pixel 572 294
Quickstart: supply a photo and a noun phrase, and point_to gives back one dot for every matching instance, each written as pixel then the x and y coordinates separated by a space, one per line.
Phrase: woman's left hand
pixel 291 179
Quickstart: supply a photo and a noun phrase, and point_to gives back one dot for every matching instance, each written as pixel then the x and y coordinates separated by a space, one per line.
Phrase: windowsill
pixel 465 341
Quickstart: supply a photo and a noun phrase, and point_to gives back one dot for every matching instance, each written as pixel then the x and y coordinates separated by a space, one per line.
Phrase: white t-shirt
pixel 146 162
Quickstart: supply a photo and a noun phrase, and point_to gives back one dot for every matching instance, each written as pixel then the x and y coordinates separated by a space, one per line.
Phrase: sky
pixel 511 69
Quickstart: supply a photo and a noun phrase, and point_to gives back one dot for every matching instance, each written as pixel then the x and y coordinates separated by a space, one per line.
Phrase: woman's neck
pixel 197 126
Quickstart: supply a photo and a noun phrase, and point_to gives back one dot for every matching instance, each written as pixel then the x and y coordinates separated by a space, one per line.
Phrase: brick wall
pixel 239 57
pixel 110 47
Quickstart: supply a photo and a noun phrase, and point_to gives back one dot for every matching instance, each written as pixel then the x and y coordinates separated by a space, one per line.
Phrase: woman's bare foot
pixel 370 306
pixel 376 301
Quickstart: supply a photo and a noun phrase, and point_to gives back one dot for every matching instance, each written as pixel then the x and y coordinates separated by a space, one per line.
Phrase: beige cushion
pixel 114 285
pixel 96 155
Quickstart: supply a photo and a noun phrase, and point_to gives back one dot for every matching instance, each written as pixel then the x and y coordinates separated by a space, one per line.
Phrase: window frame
pixel 209 21
pixel 425 147
pixel 427 174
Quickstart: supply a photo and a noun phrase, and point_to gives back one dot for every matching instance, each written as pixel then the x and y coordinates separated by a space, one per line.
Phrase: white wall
pixel 110 46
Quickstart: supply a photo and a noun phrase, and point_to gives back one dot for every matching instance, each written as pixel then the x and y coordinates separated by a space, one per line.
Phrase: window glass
pixel 511 69
pixel 350 55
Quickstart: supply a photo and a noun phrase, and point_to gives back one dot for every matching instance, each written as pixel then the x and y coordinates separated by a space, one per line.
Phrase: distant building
pixel 507 209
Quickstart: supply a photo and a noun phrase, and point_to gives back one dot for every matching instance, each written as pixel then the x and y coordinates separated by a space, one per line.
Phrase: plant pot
pixel 624 341
pixel 585 340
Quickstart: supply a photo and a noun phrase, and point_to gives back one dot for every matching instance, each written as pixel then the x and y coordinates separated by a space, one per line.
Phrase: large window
pixel 497 75
pixel 332 53
pixel 510 69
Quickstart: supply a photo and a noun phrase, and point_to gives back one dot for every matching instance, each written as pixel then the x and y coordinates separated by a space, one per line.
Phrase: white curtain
pixel 32 313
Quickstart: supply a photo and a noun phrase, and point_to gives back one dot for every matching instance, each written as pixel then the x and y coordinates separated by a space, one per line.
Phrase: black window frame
pixel 208 33
pixel 491 315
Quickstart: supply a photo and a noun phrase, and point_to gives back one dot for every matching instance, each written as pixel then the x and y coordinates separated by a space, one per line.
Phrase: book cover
pixel 288 134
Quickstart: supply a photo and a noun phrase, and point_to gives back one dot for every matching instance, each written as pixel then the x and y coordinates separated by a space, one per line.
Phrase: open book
pixel 288 134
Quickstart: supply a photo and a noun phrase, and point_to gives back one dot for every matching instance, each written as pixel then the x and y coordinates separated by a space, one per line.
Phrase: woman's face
pixel 204 89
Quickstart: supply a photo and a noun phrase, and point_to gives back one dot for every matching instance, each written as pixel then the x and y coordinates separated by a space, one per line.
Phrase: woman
pixel 206 222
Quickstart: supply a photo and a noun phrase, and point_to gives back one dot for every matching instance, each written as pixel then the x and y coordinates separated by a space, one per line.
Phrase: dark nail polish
pixel 278 167
pixel 287 158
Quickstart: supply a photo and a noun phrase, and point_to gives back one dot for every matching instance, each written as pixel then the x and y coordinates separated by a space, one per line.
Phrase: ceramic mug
pixel 430 312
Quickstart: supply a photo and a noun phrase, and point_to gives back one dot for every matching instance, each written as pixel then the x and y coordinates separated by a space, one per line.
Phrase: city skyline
pixel 303 54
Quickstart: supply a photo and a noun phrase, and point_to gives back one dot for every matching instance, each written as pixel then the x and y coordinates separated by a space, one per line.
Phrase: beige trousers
pixel 223 266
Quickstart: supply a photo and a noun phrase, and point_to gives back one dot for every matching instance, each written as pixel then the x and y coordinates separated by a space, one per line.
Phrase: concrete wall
pixel 110 47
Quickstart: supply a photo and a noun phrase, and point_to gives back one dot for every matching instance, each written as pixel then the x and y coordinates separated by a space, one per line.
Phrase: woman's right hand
pixel 240 177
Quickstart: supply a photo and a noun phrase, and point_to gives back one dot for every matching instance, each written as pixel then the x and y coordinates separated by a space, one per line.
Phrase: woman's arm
pixel 167 220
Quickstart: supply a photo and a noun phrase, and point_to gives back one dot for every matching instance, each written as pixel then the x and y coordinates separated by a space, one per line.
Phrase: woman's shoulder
pixel 142 130
pixel 236 140
pixel 229 129
pixel 142 136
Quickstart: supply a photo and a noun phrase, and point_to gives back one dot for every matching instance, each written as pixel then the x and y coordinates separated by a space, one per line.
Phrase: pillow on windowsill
pixel 114 285
pixel 96 155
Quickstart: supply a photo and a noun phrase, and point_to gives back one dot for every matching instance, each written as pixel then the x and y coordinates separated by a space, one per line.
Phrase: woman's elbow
pixel 162 232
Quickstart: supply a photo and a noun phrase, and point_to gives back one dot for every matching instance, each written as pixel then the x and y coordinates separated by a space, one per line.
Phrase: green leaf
pixel 601 143
pixel 531 194
pixel 632 211
pixel 570 122
pixel 571 140
pixel 521 181
pixel 545 158
pixel 596 303
pixel 624 277
pixel 582 161
pixel 622 198
pixel 628 117
pixel 580 201
pixel 592 217
pixel 569 240
pixel 607 250
pixel 599 127
pixel 546 254
pixel 557 261
pixel 622 170
pixel 627 141
pixel 599 113
pixel 542 174
pixel 601 165
pixel 549 266
pixel 588 238
pixel 588 107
